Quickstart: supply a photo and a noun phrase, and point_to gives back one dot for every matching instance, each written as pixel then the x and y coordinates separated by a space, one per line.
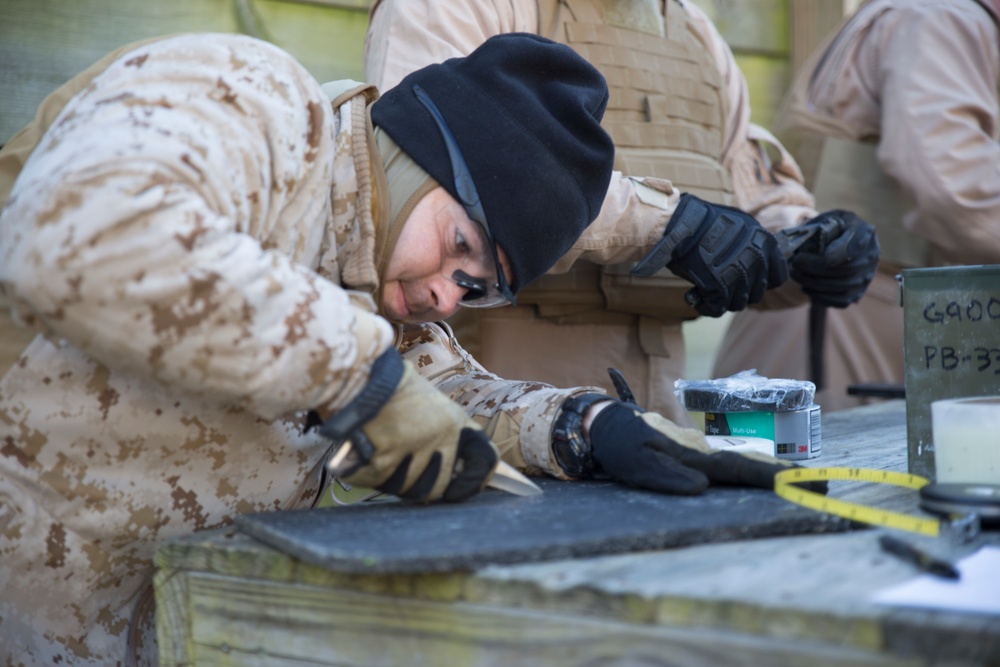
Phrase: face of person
pixel 438 242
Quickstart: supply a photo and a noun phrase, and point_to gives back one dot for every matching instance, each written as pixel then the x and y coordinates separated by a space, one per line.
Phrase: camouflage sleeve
pixel 517 415
pixel 167 222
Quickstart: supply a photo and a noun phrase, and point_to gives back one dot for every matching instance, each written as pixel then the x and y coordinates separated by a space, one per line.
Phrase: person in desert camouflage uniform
pixel 204 253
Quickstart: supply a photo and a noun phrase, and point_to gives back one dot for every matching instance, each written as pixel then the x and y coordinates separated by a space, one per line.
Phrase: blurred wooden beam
pixel 811 21
pixel 43 43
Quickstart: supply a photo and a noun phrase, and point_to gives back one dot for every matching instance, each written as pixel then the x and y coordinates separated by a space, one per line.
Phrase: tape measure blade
pixel 857 512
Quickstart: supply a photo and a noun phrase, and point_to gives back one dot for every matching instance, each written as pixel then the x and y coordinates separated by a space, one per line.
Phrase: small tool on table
pixel 916 556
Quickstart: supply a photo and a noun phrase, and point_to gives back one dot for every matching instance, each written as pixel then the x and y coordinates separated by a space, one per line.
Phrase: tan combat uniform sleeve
pixel 405 35
pixel 939 70
pixel 517 415
pixel 166 223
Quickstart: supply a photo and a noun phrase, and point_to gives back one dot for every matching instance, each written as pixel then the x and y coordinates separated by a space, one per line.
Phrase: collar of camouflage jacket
pixel 357 195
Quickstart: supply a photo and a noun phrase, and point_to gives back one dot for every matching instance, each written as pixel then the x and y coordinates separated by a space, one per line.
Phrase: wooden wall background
pixel 45 42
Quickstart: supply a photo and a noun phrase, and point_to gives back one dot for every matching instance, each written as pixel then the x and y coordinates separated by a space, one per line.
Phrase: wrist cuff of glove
pixel 384 377
pixel 573 454
pixel 685 226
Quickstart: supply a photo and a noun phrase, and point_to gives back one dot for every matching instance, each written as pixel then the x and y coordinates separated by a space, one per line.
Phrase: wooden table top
pixel 224 598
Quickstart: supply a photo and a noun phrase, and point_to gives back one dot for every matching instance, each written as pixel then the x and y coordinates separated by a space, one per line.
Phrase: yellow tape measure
pixel 854 511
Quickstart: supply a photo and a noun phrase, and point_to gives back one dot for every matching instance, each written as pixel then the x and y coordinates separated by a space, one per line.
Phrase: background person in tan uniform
pixel 680 118
pixel 226 266
pixel 905 94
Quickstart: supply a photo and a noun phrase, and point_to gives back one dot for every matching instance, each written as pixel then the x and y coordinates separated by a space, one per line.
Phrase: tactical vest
pixel 666 114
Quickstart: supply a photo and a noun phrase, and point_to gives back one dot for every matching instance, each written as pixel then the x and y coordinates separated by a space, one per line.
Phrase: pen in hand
pixel 918 557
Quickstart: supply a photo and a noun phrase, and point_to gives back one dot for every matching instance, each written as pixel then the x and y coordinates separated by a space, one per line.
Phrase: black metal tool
pixel 923 560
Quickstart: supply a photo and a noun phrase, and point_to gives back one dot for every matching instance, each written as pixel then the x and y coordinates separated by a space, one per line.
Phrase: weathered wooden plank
pixel 226 600
pixel 253 623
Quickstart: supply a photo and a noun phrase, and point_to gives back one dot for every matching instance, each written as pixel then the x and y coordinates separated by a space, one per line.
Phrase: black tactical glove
pixel 837 264
pixel 409 439
pixel 646 450
pixel 731 260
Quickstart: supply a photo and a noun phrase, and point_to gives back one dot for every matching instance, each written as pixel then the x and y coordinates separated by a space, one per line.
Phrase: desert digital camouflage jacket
pixel 181 236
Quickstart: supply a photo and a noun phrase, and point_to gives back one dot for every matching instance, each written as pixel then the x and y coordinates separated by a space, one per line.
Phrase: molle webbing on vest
pixel 668 105
pixel 666 115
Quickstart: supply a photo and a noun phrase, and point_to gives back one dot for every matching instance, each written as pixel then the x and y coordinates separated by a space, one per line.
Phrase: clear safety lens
pixel 479 292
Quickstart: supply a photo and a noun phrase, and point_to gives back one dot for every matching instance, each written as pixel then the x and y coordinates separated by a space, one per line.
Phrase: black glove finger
pixel 758 288
pixel 394 485
pixel 821 266
pixel 738 279
pixel 777 265
pixel 422 488
pixel 646 468
pixel 723 467
pixel 474 463
pixel 858 241
pixel 734 468
pixel 833 286
pixel 834 296
pixel 707 304
pixel 830 284
pixel 710 299
pixel 625 448
pixel 665 474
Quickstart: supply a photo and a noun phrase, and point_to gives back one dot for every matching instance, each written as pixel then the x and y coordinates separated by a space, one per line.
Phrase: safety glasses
pixel 480 292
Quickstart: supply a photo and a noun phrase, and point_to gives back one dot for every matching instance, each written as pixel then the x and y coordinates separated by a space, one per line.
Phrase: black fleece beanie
pixel 526 113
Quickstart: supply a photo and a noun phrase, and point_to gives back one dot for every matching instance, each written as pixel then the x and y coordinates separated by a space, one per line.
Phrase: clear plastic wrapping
pixel 745 391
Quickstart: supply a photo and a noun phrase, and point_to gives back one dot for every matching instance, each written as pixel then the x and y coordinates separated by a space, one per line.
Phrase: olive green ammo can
pixel 951 346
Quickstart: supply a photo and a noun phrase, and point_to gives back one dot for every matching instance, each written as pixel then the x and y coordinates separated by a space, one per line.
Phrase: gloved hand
pixel 836 266
pixel 645 450
pixel 411 440
pixel 731 260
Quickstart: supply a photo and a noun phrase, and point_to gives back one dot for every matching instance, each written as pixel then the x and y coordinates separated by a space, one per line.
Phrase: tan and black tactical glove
pixel 648 451
pixel 410 439
pixel 836 265
pixel 725 252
